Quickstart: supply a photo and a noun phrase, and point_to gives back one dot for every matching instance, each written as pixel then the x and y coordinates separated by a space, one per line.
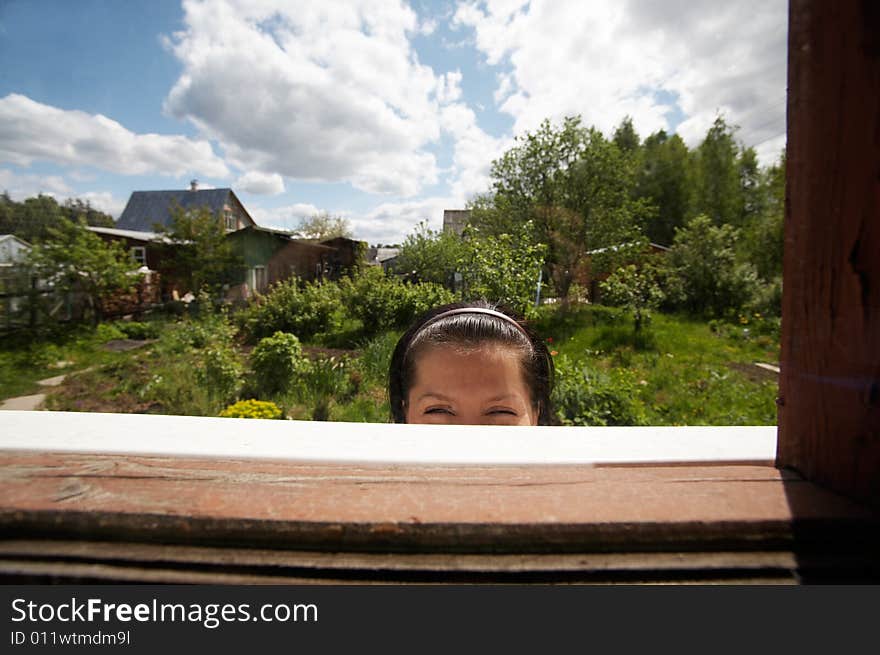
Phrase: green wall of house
pixel 256 248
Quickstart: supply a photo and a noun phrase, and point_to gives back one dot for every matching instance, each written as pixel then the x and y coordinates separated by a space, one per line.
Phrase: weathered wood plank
pixel 32 572
pixel 400 508
pixel 829 419
pixel 375 563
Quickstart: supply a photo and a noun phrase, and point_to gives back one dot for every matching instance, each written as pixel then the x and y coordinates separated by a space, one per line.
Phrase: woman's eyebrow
pixel 433 394
pixel 504 396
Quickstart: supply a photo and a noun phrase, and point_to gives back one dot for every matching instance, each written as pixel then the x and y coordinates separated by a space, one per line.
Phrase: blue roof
pixel 146 208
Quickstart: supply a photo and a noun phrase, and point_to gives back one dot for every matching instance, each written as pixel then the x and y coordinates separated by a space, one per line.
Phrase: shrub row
pixel 323 311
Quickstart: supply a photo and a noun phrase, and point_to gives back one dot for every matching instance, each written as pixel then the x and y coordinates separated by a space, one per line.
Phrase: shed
pixel 13 250
pixel 143 246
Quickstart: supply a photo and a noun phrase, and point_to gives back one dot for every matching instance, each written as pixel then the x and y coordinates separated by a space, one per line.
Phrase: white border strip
pixel 305 441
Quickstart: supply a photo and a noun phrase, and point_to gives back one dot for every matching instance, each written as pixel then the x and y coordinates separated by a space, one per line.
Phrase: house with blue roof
pixel 269 255
pixel 147 209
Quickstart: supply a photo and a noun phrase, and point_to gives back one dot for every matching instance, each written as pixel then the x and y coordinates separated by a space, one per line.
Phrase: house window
pixel 231 222
pixel 139 255
pixel 260 282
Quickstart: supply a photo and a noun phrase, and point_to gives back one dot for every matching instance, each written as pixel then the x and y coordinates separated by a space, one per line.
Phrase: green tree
pixel 706 276
pixel 717 175
pixel 575 186
pixel 75 209
pixel 503 268
pixel 763 236
pixel 35 218
pixel 196 251
pixel 32 220
pixel 751 186
pixel 430 255
pixel 74 260
pixel 323 226
pixel 664 180
pixel 626 138
pixel 635 288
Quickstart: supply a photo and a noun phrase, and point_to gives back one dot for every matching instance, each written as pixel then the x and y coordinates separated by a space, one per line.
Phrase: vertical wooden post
pixel 829 418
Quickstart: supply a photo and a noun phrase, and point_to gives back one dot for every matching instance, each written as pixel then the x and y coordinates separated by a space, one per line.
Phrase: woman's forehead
pixel 492 368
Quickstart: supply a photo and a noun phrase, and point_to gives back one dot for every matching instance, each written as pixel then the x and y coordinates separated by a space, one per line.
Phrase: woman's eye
pixel 509 412
pixel 438 410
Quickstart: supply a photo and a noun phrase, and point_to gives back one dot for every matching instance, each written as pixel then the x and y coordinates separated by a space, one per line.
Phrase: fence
pixel 27 302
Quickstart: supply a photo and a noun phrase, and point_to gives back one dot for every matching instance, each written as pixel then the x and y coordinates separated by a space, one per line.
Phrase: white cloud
pixel 21 186
pixel 607 60
pixel 449 87
pixel 427 26
pixel 269 184
pixel 388 222
pixel 287 217
pixel 31 131
pixel 318 91
pixel 391 222
pixel 104 201
pixel 473 153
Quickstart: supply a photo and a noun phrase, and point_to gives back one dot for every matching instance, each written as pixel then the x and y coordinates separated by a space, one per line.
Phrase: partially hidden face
pixel 481 386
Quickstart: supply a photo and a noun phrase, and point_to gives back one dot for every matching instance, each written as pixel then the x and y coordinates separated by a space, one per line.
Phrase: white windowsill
pixel 304 441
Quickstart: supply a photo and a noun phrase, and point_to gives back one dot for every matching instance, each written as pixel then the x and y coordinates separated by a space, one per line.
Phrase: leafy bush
pixel 252 409
pixel 327 380
pixel 193 334
pixel 376 357
pixel 382 303
pixel 277 363
pixel 429 255
pixel 219 372
pixel 137 330
pixel 108 332
pixel 363 409
pixel 305 309
pixel 504 267
pixel 635 289
pixel 583 396
pixel 200 370
pixel 767 300
pixel 705 277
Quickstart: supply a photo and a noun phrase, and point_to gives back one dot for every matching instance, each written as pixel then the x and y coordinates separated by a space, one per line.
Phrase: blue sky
pixel 383 112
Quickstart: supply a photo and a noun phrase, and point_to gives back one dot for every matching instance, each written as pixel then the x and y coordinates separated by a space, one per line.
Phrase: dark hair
pixel 470 329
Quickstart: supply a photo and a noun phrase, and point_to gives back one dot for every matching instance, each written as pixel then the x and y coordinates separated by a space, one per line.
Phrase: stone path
pixel 34 401
pixel 25 403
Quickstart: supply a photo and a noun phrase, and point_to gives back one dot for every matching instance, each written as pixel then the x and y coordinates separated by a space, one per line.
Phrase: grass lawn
pixel 26 359
pixel 684 372
pixel 679 371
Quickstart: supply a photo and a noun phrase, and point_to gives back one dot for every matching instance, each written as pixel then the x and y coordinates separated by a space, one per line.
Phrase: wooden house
pixel 144 247
pixel 13 250
pixel 147 209
pixel 384 257
pixel 272 255
pixel 348 255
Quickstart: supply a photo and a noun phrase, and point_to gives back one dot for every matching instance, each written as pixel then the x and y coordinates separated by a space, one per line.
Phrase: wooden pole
pixel 829 418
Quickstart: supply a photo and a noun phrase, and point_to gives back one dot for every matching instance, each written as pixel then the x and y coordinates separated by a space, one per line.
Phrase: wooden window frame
pixel 231 220
pixel 142 260
pixel 72 514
